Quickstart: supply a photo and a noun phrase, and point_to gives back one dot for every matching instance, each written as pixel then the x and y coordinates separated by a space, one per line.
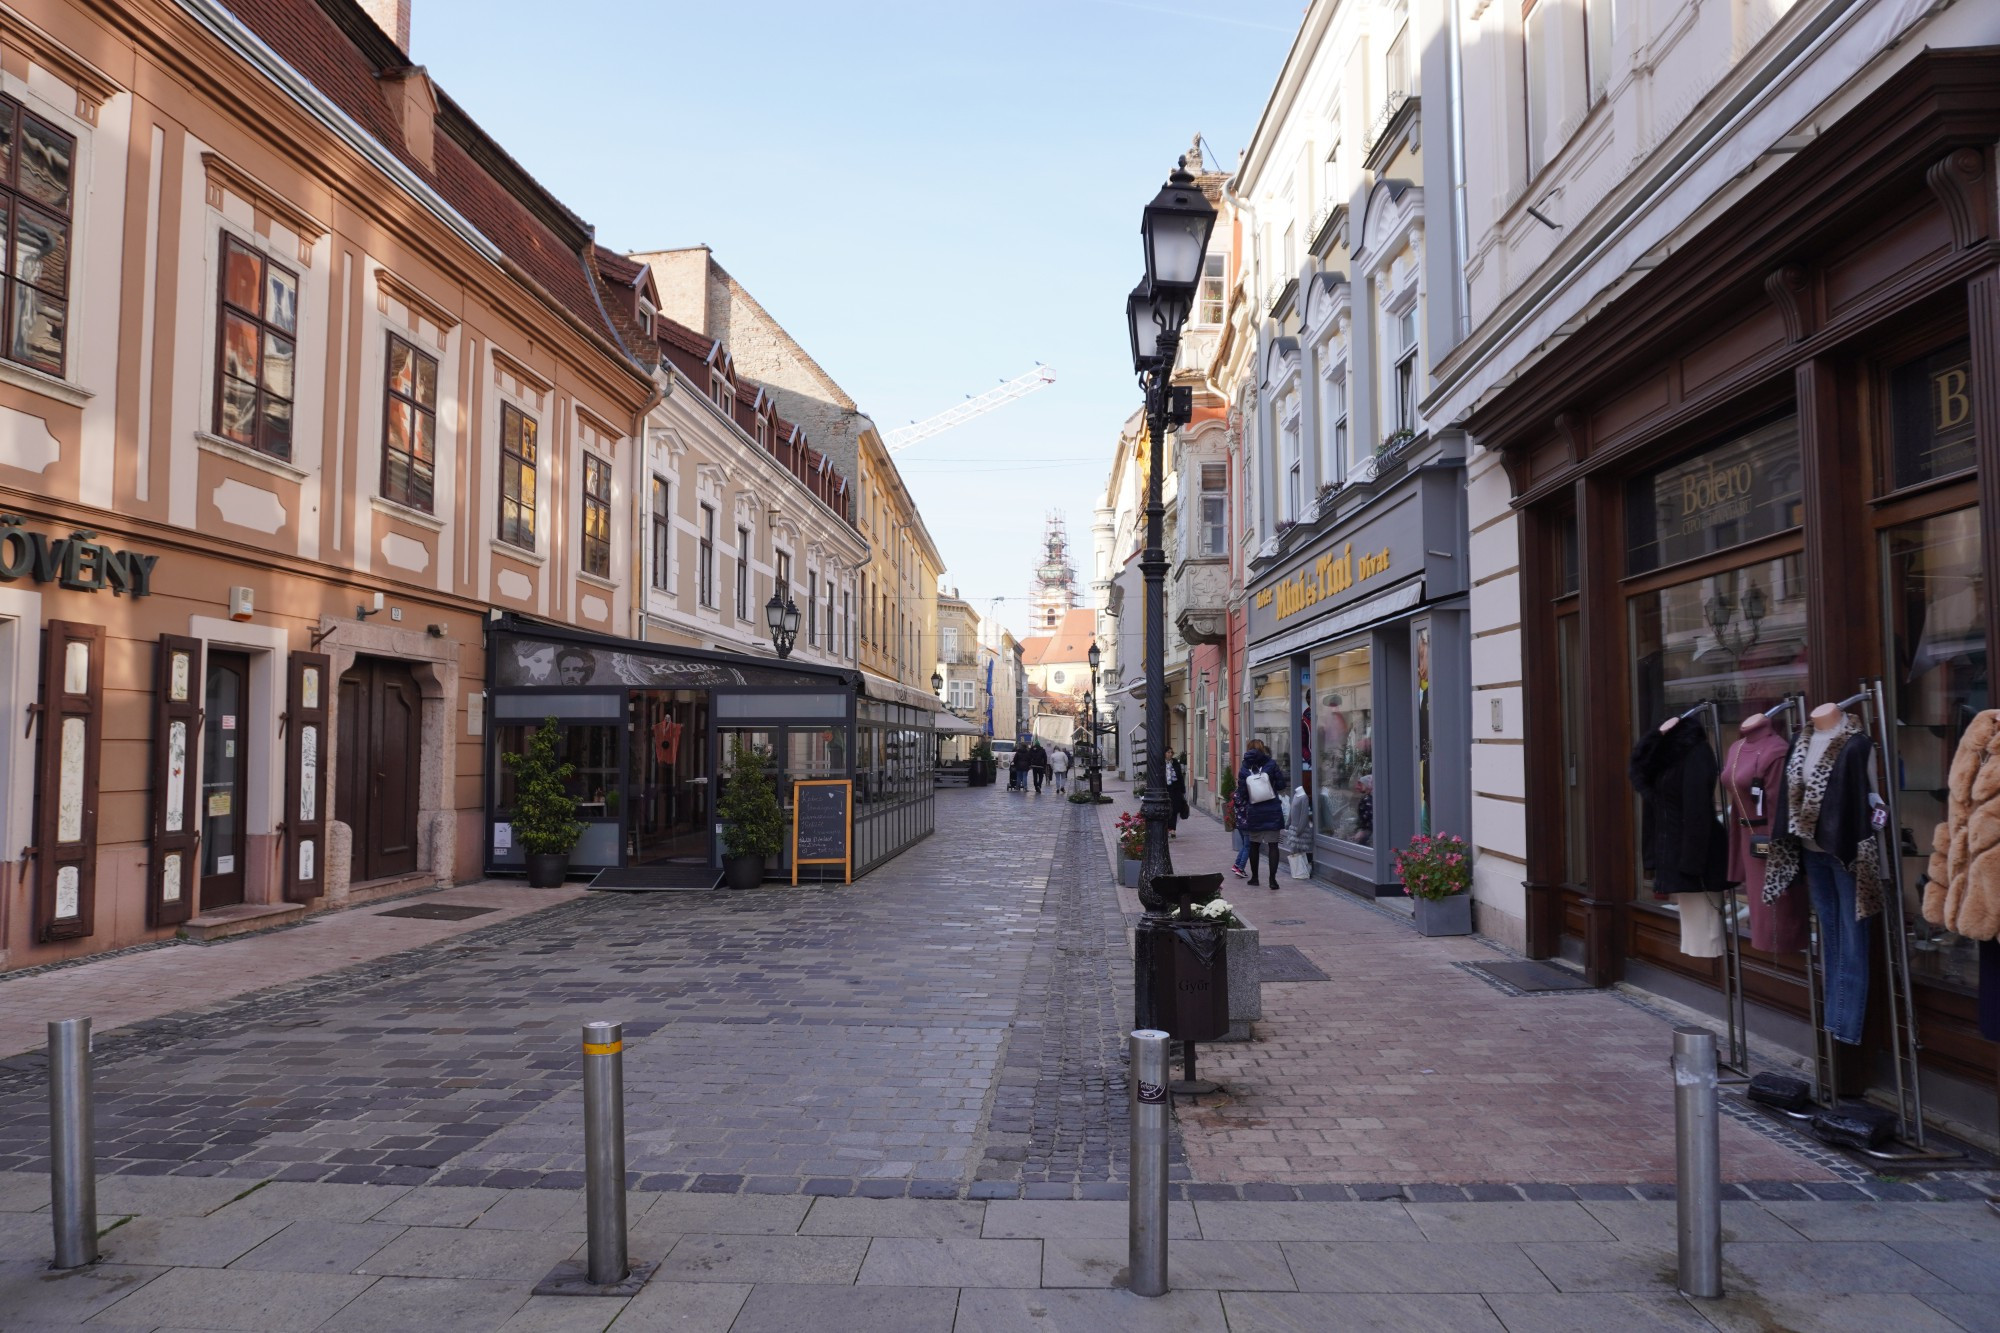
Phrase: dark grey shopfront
pixel 1358 680
pixel 651 728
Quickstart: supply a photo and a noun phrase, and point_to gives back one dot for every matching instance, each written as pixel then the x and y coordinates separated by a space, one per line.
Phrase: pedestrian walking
pixel 1261 781
pixel 1177 794
pixel 1239 803
pixel 1017 770
pixel 1059 765
pixel 1038 764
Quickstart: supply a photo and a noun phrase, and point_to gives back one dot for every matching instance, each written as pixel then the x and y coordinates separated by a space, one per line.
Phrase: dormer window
pixel 763 432
pixel 646 317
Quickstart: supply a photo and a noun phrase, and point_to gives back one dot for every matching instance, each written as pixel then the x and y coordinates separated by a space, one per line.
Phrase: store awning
pixel 951 724
pixel 895 692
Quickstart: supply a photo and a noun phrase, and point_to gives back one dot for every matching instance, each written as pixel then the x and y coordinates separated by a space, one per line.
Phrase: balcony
pixel 1201 592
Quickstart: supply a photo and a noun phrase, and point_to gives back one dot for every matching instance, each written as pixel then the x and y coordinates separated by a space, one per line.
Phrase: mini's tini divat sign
pixel 78 561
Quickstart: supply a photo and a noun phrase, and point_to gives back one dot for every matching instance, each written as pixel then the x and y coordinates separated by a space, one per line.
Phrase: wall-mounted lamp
pixel 369 607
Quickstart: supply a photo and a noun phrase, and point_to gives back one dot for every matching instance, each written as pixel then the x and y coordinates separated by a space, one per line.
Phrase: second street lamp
pixel 781 615
pixel 1095 740
pixel 1175 228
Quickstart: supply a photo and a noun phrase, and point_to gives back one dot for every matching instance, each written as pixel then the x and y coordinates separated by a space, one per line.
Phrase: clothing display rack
pixel 1903 1039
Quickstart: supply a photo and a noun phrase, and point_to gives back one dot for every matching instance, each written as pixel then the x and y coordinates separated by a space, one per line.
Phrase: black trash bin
pixel 1189 984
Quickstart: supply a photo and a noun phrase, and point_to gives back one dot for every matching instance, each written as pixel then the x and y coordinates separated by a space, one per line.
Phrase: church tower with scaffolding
pixel 1053 591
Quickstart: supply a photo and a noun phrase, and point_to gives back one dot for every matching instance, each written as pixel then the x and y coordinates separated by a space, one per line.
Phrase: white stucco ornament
pixel 405 552
pixel 249 506
pixel 25 442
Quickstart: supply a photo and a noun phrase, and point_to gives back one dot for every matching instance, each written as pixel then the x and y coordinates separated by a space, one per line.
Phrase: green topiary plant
pixel 545 821
pixel 752 823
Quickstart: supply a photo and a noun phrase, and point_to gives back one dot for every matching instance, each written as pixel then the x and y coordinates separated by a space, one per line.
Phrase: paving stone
pixel 565 1314
pixel 781 1308
pixel 933 1262
pixel 1080 1218
pixel 1284 1312
pixel 740 1215
pixel 21 1192
pixel 1608 1266
pixel 1824 1267
pixel 1657 1223
pixel 1075 1310
pixel 1975 1314
pixel 1878 1221
pixel 1418 1268
pixel 1762 1311
pixel 1225 1265
pixel 458 1252
pixel 1506 1221
pixel 439 1206
pixel 233 1299
pixel 944 1219
pixel 398 1304
pixel 1305 1221
pixel 1530 1312
pixel 311 1246
pixel 803 1259
pixel 193 1242
pixel 326 1202
pixel 1968 1265
pixel 664 1306
pixel 30 1291
pixel 163 1196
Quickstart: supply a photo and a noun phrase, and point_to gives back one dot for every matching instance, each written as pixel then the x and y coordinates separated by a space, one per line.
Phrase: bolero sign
pixel 77 561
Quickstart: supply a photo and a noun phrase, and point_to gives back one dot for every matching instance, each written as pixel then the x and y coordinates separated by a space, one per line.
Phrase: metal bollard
pixel 1697 1163
pixel 72 1144
pixel 1147 1211
pixel 604 1149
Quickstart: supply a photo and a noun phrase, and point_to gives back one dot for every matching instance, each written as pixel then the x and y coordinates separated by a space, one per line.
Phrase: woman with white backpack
pixel 1260 780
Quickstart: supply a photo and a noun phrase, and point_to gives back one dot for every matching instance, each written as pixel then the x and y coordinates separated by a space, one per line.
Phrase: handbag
pixel 1258 784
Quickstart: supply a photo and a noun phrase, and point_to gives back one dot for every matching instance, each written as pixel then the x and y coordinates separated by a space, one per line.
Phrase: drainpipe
pixel 1460 240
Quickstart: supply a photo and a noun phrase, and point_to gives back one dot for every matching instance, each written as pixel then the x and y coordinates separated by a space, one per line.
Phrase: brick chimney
pixel 392 17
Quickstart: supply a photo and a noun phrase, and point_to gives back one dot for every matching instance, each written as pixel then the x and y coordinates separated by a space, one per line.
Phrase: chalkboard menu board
pixel 823 824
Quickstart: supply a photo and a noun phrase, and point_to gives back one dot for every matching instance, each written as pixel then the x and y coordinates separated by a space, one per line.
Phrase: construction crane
pixel 904 436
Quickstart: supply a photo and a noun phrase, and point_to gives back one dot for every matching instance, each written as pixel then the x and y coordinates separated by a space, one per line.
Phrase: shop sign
pixel 1737 492
pixel 1345 567
pixel 1932 404
pixel 1329 576
pixel 77 561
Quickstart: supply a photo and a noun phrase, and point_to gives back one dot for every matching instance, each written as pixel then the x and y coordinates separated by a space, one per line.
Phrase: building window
pixel 763 433
pixel 596 516
pixel 663 533
pixel 1336 416
pixel 1396 69
pixel 830 645
pixel 948 643
pixel 35 206
pixel 1329 181
pixel 782 583
pixel 1291 253
pixel 1211 290
pixel 258 357
pixel 409 427
pixel 517 477
pixel 1406 370
pixel 1214 508
pixel 742 573
pixel 705 559
pixel 1538 19
pixel 847 622
pixel 1599 17
pixel 812 608
pixel 1288 433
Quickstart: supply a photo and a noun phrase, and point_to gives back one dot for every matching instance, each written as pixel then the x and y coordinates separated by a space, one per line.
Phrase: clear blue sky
pixel 931 195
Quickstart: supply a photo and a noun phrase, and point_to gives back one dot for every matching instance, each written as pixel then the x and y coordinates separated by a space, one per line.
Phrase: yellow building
pixel 898 632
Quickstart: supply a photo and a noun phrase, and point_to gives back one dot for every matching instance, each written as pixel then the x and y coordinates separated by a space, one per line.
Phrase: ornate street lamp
pixel 1175 228
pixel 1095 741
pixel 781 614
pixel 937 684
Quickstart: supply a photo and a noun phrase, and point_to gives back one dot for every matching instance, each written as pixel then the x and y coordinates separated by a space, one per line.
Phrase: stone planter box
pixel 1246 981
pixel 1444 916
pixel 1128 872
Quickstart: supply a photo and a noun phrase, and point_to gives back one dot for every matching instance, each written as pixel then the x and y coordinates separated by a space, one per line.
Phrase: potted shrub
pixel 1131 848
pixel 1436 871
pixel 545 822
pixel 753 827
pixel 982 763
pixel 1246 982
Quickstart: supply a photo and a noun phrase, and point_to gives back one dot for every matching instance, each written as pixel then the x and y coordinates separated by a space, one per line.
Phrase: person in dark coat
pixel 1261 820
pixel 1038 763
pixel 1017 770
pixel 1177 791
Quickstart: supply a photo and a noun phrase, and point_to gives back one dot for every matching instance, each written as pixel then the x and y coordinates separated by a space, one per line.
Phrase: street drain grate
pixel 438 912
pixel 1527 977
pixel 1284 962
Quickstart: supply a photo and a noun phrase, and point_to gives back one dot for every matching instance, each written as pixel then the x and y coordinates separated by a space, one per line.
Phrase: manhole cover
pixel 1284 962
pixel 437 911
pixel 1532 978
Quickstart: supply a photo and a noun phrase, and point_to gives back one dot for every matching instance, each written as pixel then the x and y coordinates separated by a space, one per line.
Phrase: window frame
pixel 526 501
pixel 705 558
pixel 743 573
pixel 1214 269
pixel 812 608
pixel 1403 369
pixel 595 548
pixel 662 527
pixel 391 397
pixel 264 328
pixel 1215 530
pixel 1535 80
pixel 12 199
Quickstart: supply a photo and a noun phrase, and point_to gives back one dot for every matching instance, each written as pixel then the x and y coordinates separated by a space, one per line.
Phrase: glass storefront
pixel 1736 638
pixel 1343 702
pixel 1271 715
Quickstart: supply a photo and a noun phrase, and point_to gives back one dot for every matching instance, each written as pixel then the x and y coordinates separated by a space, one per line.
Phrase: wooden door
pixel 381 725
pixel 224 765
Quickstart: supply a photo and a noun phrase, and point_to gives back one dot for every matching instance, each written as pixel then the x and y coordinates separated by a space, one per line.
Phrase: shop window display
pixel 1737 638
pixel 1343 700
pixel 1271 715
pixel 1937 681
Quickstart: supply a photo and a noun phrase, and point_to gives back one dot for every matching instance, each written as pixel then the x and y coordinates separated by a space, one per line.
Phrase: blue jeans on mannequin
pixel 1844 946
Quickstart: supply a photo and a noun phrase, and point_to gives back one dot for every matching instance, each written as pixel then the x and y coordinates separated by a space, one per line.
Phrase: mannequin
pixel 1751 777
pixel 1825 841
pixel 1684 848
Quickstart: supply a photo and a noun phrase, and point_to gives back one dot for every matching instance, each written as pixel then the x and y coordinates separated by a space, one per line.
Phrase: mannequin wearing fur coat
pixel 1963 895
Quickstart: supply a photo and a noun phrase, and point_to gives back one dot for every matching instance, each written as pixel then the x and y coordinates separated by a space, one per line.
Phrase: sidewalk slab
pixel 187 1242
pixel 757 1259
pixel 1515 1222
pixel 1530 1312
pixel 312 1246
pixel 1888 1221
pixel 1288 1312
pixel 324 1201
pixel 1423 1268
pixel 1073 1310
pixel 825 1309
pixel 930 1262
pixel 666 1306
pixel 1658 1222
pixel 1223 1265
pixel 1969 1265
pixel 1824 1267
pixel 456 1252
pixel 1306 1221
pixel 399 1304
pixel 944 1219
pixel 1078 1219
pixel 1853 1312
pixel 229 1299
pixel 29 1291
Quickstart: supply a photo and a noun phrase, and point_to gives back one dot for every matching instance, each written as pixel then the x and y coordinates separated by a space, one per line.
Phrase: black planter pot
pixel 547 870
pixel 743 872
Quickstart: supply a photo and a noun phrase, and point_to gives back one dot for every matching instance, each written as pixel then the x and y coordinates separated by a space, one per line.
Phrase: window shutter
pixel 304 820
pixel 71 729
pixel 176 820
